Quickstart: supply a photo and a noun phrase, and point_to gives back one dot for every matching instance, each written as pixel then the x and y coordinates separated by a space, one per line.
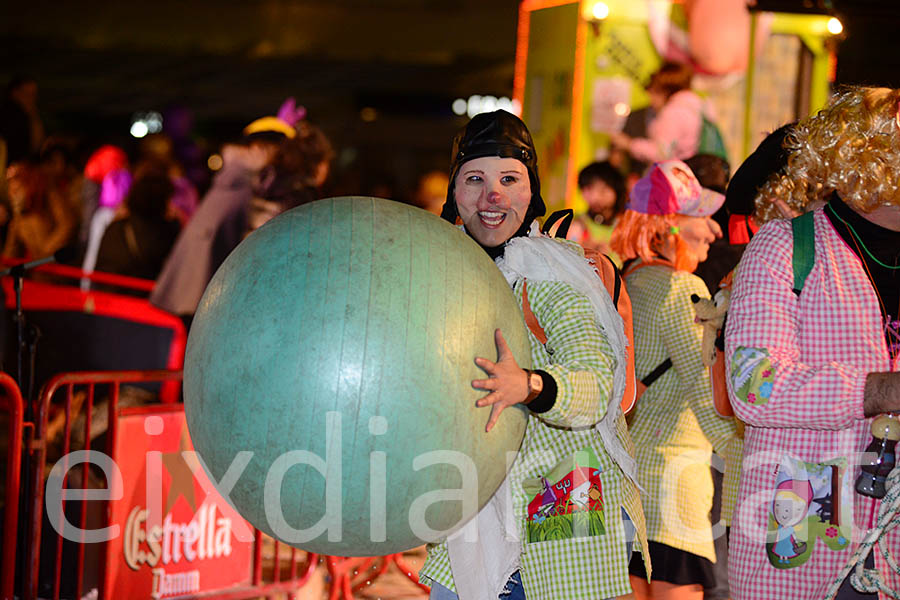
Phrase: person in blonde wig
pixel 851 147
pixel 813 363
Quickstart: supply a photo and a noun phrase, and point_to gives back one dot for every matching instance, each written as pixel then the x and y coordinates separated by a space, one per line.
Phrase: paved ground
pixel 390 585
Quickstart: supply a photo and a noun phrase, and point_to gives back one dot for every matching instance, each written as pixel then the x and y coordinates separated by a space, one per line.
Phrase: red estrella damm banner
pixel 182 537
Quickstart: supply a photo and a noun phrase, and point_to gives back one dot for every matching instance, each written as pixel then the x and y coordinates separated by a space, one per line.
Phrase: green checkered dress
pixel 674 425
pixel 580 360
pixel 734 458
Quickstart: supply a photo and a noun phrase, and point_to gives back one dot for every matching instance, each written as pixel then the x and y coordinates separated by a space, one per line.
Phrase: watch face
pixel 536 383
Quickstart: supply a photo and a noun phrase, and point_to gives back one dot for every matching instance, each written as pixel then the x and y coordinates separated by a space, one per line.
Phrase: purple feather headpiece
pixel 114 188
pixel 290 113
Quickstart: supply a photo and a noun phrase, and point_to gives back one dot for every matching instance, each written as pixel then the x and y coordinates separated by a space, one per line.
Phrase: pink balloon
pixel 719 34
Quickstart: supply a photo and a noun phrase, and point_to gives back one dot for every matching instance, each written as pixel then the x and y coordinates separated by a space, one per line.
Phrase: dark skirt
pixel 674 566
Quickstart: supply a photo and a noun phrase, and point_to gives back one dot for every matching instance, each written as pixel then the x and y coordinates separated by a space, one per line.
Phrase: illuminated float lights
pixel 143 123
pixel 476 104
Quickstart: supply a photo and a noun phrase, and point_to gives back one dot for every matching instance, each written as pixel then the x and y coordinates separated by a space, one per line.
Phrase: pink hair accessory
pixel 114 188
pixel 290 113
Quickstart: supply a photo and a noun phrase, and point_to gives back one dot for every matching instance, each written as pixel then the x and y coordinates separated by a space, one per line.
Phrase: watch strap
pixel 532 392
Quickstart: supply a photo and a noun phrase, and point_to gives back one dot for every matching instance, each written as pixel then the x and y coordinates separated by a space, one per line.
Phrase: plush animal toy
pixel 711 314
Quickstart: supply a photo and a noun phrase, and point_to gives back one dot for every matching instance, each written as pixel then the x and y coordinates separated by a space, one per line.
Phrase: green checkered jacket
pixel 580 360
pixel 674 424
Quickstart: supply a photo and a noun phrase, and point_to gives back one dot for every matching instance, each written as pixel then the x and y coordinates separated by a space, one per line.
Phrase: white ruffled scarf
pixel 485 552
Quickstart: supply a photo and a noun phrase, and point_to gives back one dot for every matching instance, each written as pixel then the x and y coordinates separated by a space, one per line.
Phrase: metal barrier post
pixel 63 387
pixel 345 582
pixel 11 400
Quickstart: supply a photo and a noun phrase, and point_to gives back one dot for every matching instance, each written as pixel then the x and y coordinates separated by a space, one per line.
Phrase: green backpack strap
pixel 804 248
pixel 711 140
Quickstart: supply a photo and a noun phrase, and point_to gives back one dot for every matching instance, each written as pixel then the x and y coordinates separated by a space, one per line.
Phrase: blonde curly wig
pixel 852 146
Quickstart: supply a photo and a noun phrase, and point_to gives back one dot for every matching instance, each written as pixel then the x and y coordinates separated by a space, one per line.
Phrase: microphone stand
pixel 18 275
pixel 25 344
pixel 30 345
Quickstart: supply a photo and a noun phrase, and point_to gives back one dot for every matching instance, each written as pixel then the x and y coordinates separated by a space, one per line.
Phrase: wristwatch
pixel 535 385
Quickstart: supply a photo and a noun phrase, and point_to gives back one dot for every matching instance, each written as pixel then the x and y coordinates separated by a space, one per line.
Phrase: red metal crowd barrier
pixel 11 403
pixel 68 272
pixel 144 560
pixel 67 413
pixel 112 331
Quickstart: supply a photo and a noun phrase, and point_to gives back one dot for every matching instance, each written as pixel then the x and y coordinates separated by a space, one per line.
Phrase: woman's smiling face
pixel 492 196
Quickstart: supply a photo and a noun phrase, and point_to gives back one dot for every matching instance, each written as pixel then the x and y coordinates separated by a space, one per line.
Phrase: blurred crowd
pixel 164 209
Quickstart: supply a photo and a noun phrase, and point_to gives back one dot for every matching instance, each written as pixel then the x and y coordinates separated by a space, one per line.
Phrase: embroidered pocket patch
pixel 752 375
pixel 810 501
pixel 567 502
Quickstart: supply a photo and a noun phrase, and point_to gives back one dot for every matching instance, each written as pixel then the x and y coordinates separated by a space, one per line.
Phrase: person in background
pixel 572 399
pixel 712 173
pixel 813 363
pixel 20 122
pixel 603 189
pixel 636 124
pixel 137 243
pixel 41 223
pixel 61 176
pixel 735 217
pixel 115 187
pixel 677 129
pixel 663 234
pixel 286 183
pixel 220 222
pixel 102 161
pixel 431 191
pixel 158 148
pixel 191 157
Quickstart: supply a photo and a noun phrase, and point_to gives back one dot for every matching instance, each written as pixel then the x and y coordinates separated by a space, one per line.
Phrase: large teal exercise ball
pixel 329 367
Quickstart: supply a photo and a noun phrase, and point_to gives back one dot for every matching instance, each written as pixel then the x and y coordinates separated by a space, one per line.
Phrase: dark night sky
pixel 233 60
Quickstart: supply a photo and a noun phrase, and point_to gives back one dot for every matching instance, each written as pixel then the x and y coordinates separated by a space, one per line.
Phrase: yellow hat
pixel 270 125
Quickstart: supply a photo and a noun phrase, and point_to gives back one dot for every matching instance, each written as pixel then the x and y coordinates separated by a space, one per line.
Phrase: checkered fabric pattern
pixel 674 425
pixel 821 347
pixel 733 457
pixel 582 365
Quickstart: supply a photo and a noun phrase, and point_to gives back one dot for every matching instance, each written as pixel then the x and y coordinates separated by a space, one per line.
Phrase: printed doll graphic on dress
pixel 567 502
pixel 810 501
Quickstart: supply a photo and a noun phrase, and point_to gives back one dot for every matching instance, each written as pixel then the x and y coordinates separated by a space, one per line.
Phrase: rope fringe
pixel 870 580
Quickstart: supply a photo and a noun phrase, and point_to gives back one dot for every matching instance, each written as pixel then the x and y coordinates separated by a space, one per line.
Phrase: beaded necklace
pixel 859 241
pixel 891 328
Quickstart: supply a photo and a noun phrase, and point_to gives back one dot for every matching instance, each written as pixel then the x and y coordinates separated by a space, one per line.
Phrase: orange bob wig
pixel 639 235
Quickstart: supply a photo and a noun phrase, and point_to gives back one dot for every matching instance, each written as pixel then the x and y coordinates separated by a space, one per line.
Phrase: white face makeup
pixel 492 196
